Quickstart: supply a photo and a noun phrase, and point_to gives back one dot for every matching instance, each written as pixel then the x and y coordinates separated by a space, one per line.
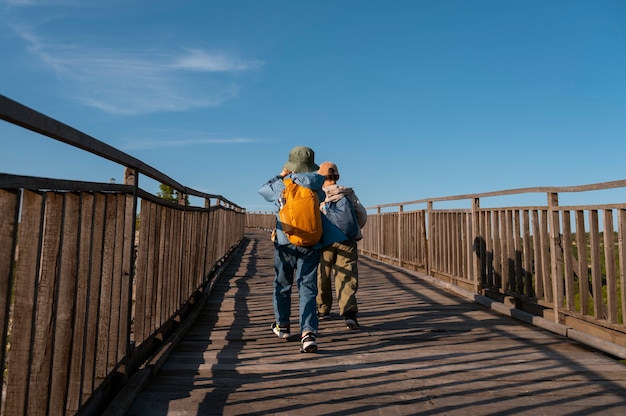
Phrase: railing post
pixel 429 237
pixel 182 198
pixel 556 255
pixel 400 236
pixel 207 239
pixel 476 243
pixel 379 233
pixel 131 177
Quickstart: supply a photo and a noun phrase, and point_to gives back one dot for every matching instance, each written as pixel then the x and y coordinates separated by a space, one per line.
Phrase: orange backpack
pixel 300 214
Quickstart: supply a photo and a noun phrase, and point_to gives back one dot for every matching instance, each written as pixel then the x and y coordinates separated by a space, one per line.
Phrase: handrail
pixel 538 189
pixel 25 117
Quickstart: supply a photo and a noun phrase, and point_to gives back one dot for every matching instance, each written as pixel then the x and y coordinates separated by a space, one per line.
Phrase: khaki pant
pixel 340 260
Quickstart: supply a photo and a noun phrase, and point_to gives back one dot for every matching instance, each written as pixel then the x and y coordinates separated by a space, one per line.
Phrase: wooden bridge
pixel 422 350
pixel 471 310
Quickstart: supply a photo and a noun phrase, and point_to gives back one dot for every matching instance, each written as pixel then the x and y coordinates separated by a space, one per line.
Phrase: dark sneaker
pixel 323 316
pixel 308 343
pixel 281 331
pixel 351 321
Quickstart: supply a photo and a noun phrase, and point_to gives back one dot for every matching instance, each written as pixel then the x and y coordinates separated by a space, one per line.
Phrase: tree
pixel 168 193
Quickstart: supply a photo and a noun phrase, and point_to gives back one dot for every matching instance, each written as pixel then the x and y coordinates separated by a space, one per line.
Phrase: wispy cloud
pixel 18 2
pixel 157 144
pixel 139 82
pixel 199 60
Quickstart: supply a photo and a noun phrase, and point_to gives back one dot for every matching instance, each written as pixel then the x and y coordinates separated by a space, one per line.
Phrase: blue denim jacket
pixel 272 190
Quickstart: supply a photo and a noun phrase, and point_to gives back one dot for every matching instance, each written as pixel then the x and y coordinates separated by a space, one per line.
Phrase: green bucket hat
pixel 301 159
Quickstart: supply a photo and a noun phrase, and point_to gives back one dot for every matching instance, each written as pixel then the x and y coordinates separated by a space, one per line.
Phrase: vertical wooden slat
pixel 537 254
pixel 127 277
pixel 9 212
pixel 583 265
pixel 394 241
pixel 26 277
pixel 461 262
pixel 448 242
pixel 156 268
pixel 497 250
pixel 400 236
pixel 42 347
pixel 556 256
pixel 117 279
pixel 452 243
pixel 545 257
pixel 406 240
pixel 441 242
pixel 417 230
pixel 195 270
pixel 470 265
pixel 188 244
pixel 193 244
pixel 509 252
pixel 200 232
pixel 76 371
pixel 165 259
pixel 479 245
pixel 518 250
pixel 174 298
pixel 162 257
pixel 609 262
pixel 96 258
pixel 106 288
pixel 204 227
pixel 432 239
pixel 205 241
pixel 167 289
pixel 65 305
pixel 621 240
pixel 371 236
pixel 596 270
pixel 528 255
pixel 146 224
pixel 460 258
pixel 412 233
pixel 183 270
pixel 489 247
pixel 444 242
pixel 568 268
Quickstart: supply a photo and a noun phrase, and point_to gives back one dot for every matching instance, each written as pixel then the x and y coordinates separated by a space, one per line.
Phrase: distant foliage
pixel 170 194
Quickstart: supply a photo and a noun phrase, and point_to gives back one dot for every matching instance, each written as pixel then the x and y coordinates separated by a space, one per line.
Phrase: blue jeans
pixel 290 260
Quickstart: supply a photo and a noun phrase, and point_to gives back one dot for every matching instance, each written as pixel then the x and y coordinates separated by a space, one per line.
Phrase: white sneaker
pixel 308 343
pixel 282 331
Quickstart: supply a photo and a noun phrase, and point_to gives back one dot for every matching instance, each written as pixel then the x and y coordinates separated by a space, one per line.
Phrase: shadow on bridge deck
pixel 421 351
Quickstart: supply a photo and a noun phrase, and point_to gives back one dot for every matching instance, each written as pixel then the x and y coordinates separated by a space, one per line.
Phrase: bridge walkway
pixel 421 351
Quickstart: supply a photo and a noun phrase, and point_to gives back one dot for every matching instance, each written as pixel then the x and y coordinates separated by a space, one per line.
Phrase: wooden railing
pixel 571 280
pixel 95 277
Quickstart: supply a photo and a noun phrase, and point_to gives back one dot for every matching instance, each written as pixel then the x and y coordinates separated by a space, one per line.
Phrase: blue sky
pixel 412 99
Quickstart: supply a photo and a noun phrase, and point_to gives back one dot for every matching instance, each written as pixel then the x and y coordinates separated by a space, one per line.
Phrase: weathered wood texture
pixel 421 351
pixel 66 279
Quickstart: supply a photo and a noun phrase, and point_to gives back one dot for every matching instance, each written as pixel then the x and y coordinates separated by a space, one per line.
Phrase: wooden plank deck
pixel 421 351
